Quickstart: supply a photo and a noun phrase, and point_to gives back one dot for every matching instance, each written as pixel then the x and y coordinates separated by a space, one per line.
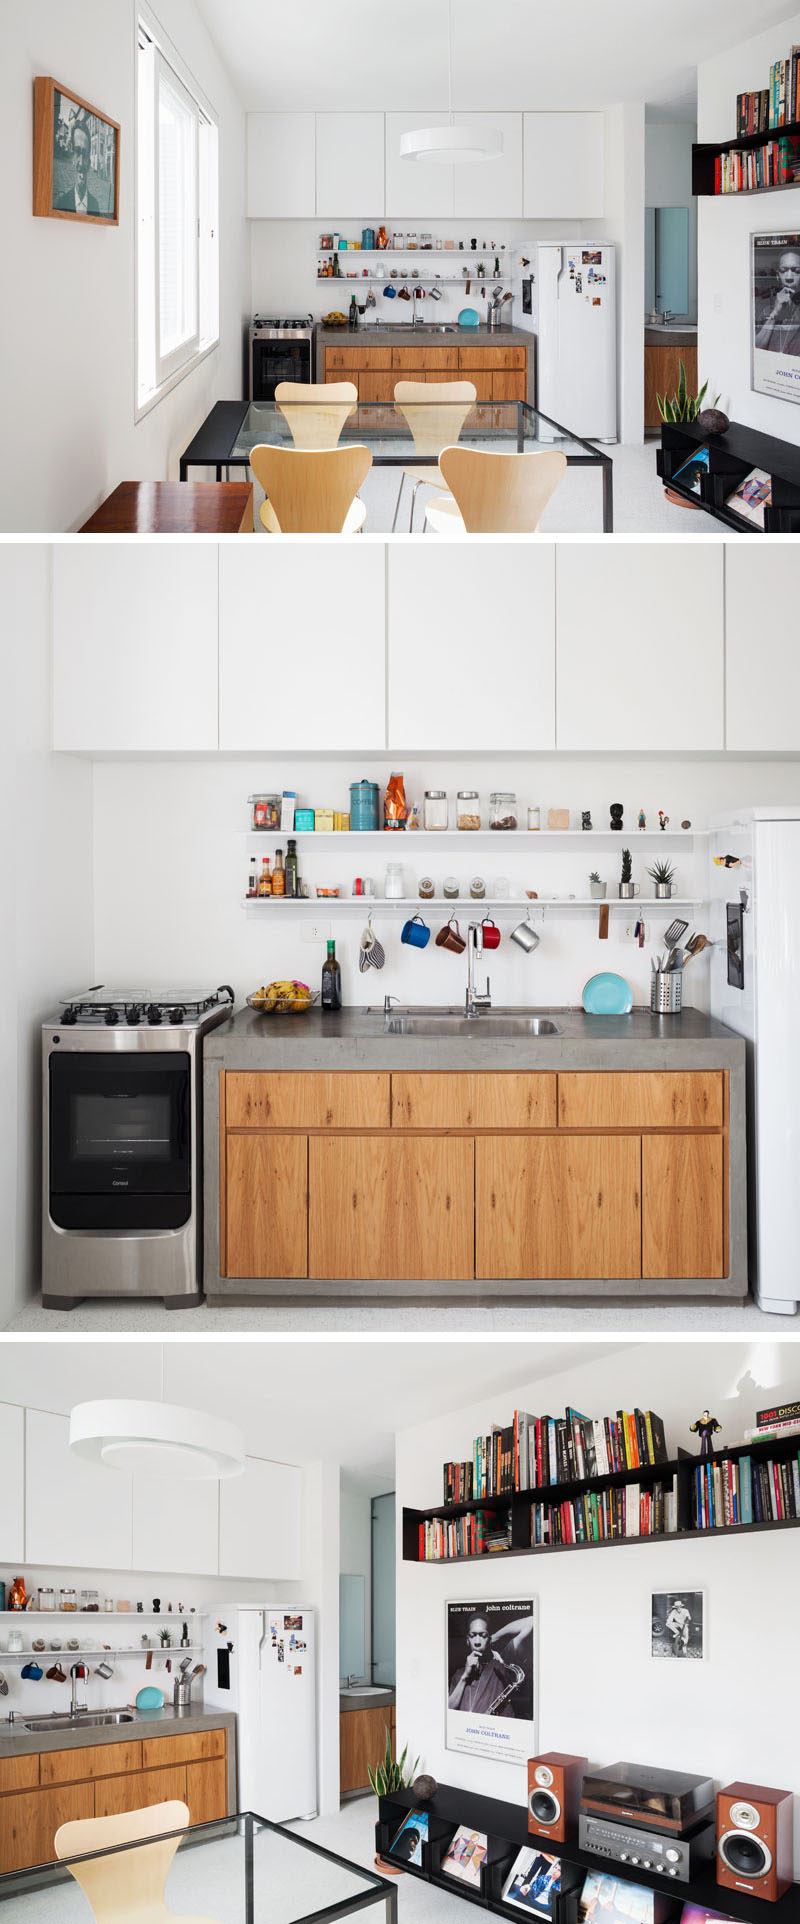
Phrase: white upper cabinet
pixel 260 1516
pixel 281 168
pixel 76 1513
pixel 640 647
pixel 135 646
pixel 762 659
pixel 564 166
pixel 416 190
pixel 302 646
pixel 472 646
pixel 350 167
pixel 12 1446
pixel 491 189
pixel 175 1525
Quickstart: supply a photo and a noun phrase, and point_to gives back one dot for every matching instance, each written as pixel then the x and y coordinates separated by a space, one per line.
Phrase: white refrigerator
pixel 262 1665
pixel 575 321
pixel 755 988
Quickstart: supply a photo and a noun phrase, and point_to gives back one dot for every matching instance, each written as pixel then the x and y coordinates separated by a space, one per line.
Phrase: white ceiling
pixel 512 54
pixel 335 1400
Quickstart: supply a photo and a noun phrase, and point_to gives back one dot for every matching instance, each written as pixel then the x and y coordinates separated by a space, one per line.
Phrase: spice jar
pixel 426 888
pixel 468 812
pixel 393 882
pixel 450 888
pixel 68 1600
pixel 534 817
pixel 265 811
pixel 435 811
pixel 477 888
pixel 503 806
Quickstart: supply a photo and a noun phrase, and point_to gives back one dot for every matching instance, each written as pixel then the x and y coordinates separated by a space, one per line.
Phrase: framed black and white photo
pixel 677 1625
pixel 75 157
pixel 491 1679
pixel 775 315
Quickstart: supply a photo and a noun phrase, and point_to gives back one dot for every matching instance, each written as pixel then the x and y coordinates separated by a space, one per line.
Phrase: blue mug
pixel 31 1671
pixel 416 932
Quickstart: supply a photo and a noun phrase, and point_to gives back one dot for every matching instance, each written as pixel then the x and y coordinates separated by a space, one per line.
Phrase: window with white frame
pixel 177 257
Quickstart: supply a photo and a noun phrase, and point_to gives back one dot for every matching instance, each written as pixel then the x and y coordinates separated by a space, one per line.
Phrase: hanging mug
pixel 416 933
pixel 104 1669
pixel 525 936
pixel 32 1672
pixel 491 933
pixel 55 1674
pixel 450 937
pixel 3 1685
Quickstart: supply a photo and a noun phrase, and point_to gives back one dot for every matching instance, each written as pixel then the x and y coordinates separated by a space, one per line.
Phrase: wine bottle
pixel 331 980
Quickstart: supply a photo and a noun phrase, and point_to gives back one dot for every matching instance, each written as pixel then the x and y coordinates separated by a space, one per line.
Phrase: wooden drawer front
pixel 344 374
pixel 416 362
pixel 463 1101
pixel 377 387
pixel 207 1790
pixel 492 357
pixel 656 1099
pixel 140 1789
pixel 97 1760
pixel 682 1206
pixel 191 1745
pixel 267 1205
pixel 557 1207
pixel 509 387
pixel 306 1101
pixel 28 1823
pixel 348 355
pixel 19 1773
pixel 380 1207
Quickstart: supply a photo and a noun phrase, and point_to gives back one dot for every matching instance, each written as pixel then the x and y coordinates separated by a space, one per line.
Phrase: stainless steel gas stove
pixel 280 350
pixel 122 1144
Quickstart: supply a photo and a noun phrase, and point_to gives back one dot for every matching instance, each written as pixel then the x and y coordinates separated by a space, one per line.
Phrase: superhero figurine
pixel 705 1427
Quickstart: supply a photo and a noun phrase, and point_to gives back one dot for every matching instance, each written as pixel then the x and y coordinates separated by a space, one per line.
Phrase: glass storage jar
pixel 534 817
pixel 393 882
pixel 265 811
pixel 450 888
pixel 90 1600
pixel 68 1600
pixel 503 807
pixel 435 812
pixel 468 812
pixel 426 888
pixel 477 888
pixel 46 1598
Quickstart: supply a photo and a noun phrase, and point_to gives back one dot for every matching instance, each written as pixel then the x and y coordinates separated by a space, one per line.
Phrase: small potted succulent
pixel 662 876
pixel 627 886
pixel 388 1776
pixel 597 889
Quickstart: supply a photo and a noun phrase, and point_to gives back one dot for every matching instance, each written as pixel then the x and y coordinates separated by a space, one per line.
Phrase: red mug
pixel 491 933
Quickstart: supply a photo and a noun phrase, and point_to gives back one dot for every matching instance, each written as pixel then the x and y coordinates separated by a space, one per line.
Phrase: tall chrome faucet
pixel 474 1000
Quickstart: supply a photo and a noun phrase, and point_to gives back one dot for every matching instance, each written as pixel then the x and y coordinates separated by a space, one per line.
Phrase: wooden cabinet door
pixel 763 707
pixel 509 386
pixel 391 1208
pixel 550 1207
pixel 377 387
pixel 683 1197
pixel 195 1746
pixel 28 1823
pixel 91 1760
pixel 662 373
pixel 266 1205
pixel 207 1790
pixel 362 1741
pixel 138 1790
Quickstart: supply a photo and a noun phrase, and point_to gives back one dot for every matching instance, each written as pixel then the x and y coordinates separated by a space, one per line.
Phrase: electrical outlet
pixel 316 932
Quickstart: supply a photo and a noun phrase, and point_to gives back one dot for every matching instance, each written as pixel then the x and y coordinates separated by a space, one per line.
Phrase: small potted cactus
pixel 627 886
pixel 597 889
pixel 662 876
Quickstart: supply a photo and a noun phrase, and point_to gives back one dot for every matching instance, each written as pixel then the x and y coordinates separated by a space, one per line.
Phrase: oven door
pixel 274 361
pixel 120 1140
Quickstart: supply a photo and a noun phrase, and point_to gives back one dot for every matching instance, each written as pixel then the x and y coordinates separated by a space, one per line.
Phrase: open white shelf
pixel 84 1656
pixel 482 837
pixel 324 905
pixel 104 1616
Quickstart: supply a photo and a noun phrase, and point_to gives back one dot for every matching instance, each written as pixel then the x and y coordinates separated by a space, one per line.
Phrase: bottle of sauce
pixel 252 879
pixel 290 870
pixel 331 980
pixel 279 874
pixel 265 879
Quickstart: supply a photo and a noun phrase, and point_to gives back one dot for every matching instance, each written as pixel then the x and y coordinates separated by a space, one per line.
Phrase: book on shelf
pixel 533 1451
pixel 782 1413
pixel 773 1432
pixel 690 475
pixel 752 497
pixel 480 1533
pixel 465 1855
pixel 732 1491
pixel 533 1882
pixel 606 1899
pixel 408 1840
pixel 606 1516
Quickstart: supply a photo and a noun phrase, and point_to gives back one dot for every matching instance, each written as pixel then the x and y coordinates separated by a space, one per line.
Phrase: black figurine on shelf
pixel 705 1427
pixel 616 813
pixel 156 1606
pixel 586 818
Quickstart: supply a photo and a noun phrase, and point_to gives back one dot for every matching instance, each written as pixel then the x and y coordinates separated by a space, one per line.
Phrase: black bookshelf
pixel 706 153
pixel 732 456
pixel 678 1472
pixel 506 1828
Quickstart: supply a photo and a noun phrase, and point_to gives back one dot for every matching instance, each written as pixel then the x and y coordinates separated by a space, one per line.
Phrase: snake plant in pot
pixel 683 406
pixel 385 1777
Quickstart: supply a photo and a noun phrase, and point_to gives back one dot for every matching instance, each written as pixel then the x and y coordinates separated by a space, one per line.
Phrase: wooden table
pixel 175 507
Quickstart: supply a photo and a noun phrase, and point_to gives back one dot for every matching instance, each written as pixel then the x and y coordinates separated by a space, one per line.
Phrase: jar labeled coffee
pixel 468 812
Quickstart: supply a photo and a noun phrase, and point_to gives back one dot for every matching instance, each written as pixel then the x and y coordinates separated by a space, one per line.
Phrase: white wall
pixel 355 1555
pixel 67 361
pixel 46 870
pixel 624 224
pixel 320 1548
pixel 600 1693
pixel 725 225
pixel 169 897
pixel 668 183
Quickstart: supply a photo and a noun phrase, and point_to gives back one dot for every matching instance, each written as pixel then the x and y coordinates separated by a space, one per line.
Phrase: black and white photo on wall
pixel 491 1679
pixel 677 1625
pixel 775 315
pixel 75 157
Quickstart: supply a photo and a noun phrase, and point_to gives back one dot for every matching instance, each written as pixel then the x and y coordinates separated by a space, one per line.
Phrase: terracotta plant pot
pixel 387 1869
pixel 680 500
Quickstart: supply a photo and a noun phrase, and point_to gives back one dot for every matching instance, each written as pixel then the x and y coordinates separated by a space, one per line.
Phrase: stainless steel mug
pixel 525 936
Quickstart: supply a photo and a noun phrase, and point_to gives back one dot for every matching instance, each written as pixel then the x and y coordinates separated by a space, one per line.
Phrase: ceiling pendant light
pixel 469 141
pixel 156 1439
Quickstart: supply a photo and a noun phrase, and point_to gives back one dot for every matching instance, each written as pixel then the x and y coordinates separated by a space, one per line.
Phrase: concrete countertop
pixel 355 1039
pixel 369 1700
pixel 402 334
pixel 670 336
pixel 16 1741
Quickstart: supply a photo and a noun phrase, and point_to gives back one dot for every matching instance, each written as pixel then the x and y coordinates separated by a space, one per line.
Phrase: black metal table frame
pixel 213 442
pixel 381 1890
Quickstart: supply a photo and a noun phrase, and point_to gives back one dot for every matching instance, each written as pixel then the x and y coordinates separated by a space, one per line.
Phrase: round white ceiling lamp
pixel 469 141
pixel 156 1439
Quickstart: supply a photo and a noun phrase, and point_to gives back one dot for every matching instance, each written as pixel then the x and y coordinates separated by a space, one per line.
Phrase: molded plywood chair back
pixel 319 412
pixel 312 492
pixel 126 1888
pixel 435 412
pixel 495 493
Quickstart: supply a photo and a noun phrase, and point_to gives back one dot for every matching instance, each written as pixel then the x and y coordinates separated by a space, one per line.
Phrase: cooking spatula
pixel 673 934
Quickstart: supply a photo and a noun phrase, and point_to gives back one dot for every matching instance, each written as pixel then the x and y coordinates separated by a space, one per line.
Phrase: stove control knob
pixel 133 1015
pixel 111 1016
pixel 176 1015
pixel 154 1015
pixel 671 1870
pixel 673 1857
pixel 69 1018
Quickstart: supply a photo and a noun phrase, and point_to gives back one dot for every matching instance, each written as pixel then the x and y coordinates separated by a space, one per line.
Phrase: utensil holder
pixel 666 992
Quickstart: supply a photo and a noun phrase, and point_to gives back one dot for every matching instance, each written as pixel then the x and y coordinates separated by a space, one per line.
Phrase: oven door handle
pixel 182 1139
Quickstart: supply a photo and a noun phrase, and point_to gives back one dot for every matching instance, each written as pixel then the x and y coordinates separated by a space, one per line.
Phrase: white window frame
pixel 155 375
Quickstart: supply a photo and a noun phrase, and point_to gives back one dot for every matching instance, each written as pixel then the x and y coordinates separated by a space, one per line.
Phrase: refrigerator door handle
pixel 263 1637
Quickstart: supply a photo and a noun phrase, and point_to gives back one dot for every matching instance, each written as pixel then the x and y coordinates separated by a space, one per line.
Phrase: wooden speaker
pixel 554 1793
pixel 754 1840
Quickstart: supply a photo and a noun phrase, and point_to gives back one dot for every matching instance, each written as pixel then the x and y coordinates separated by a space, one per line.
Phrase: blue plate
pixel 607 994
pixel 150 1698
pixel 469 317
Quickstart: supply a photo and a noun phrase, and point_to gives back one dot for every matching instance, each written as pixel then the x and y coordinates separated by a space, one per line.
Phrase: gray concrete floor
pixel 114 1318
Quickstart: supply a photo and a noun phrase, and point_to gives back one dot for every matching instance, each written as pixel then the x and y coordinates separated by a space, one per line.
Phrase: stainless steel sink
pixel 83 1720
pixel 365 1690
pixel 490 1022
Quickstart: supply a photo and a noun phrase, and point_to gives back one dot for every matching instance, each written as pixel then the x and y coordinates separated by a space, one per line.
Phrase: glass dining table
pixel 234 428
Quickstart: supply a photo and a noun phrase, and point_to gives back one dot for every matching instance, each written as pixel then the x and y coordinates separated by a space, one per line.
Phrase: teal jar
pixel 364 805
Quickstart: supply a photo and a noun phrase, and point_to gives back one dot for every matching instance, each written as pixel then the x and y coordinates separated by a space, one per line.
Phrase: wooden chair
pixel 316 412
pixel 312 492
pixel 435 412
pixel 128 1887
pixel 495 493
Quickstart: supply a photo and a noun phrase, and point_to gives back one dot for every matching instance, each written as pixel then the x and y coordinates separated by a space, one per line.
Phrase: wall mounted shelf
pixel 484 837
pixel 378 905
pixel 705 155
pixel 100 1653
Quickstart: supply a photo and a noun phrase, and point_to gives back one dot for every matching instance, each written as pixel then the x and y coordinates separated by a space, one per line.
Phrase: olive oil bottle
pixel 331 980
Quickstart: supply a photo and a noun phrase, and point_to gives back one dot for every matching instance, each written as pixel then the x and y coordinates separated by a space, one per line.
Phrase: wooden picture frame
pixel 57 114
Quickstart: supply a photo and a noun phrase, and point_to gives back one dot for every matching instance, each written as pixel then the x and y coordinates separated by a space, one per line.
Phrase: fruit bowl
pixel 283 998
